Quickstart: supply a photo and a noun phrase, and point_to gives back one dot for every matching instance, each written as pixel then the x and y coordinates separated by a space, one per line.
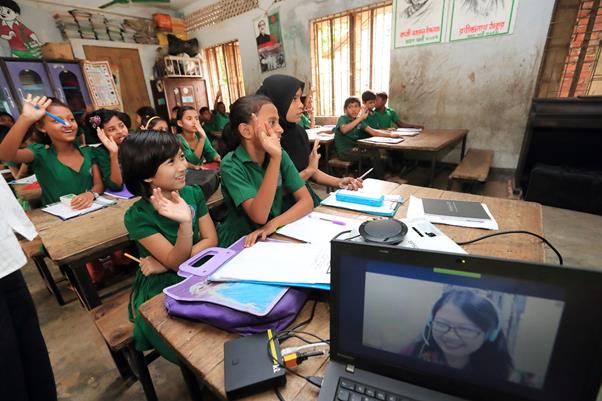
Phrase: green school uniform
pixel 141 221
pixel 241 179
pixel 305 122
pixel 103 159
pixel 55 178
pixel 387 119
pixel 220 120
pixel 209 153
pixel 344 143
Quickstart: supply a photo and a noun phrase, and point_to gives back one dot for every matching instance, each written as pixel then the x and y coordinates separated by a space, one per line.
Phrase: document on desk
pixel 381 139
pixel 25 180
pixel 387 209
pixel 319 227
pixel 281 263
pixel 65 212
pixel 408 131
pixel 452 212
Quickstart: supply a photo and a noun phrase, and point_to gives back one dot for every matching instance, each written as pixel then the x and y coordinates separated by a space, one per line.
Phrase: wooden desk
pixel 436 143
pixel 74 242
pixel 200 346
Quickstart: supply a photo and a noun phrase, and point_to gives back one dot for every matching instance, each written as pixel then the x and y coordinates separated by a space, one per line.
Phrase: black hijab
pixel 281 89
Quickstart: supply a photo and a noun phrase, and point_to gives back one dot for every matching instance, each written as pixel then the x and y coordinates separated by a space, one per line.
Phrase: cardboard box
pixel 57 51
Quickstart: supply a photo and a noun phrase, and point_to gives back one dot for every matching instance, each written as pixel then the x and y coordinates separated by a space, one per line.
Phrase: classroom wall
pixel 484 85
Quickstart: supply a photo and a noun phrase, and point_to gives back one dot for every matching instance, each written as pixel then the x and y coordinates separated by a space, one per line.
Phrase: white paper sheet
pixel 381 139
pixel 65 212
pixel 319 227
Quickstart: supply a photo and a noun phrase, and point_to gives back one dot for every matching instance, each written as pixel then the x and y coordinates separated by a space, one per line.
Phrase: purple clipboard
pixel 256 299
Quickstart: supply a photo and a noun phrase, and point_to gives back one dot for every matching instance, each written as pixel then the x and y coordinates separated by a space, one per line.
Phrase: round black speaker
pixel 386 231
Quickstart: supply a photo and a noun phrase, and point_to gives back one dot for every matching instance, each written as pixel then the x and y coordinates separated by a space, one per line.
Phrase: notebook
pixel 452 212
pixel 381 139
pixel 64 212
pixel 417 325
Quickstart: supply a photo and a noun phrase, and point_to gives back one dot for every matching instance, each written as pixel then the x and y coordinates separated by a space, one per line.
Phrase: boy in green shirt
pixel 386 117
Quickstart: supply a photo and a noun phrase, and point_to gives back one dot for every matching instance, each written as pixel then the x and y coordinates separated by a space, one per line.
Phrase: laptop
pixel 411 325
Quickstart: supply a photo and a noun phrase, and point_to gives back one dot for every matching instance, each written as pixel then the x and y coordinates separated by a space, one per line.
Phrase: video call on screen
pixel 470 330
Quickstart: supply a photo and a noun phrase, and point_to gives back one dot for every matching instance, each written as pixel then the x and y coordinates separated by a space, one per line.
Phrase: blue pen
pixel 53 116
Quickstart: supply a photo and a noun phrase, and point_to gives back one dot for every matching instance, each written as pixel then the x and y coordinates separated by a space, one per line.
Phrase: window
pixel 350 53
pixel 225 71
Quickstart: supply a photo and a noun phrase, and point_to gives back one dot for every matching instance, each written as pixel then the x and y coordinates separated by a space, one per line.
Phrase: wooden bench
pixel 33 250
pixel 473 168
pixel 112 321
pixel 336 163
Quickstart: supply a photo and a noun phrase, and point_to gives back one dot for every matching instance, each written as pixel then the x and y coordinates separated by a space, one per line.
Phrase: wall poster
pixel 270 47
pixel 422 22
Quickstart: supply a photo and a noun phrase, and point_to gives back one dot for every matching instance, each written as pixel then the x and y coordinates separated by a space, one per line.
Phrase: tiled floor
pixel 84 370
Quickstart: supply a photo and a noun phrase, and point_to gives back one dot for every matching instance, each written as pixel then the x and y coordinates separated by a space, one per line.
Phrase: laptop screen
pixel 473 327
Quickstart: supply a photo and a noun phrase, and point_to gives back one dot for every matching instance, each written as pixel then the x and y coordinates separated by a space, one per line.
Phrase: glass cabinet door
pixel 70 87
pixel 7 102
pixel 29 77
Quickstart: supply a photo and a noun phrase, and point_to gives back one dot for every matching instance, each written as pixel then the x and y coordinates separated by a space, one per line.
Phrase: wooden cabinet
pixel 60 79
pixel 171 92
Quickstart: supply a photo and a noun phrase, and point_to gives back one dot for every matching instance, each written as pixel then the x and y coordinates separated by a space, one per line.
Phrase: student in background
pixel 111 130
pixel 19 170
pixel 386 117
pixel 24 363
pixel 169 224
pixel 143 114
pixel 6 119
pixel 256 173
pixel 214 129
pixel 220 116
pixel 307 119
pixel 285 91
pixel 195 144
pixel 156 123
pixel 61 166
pixel 349 129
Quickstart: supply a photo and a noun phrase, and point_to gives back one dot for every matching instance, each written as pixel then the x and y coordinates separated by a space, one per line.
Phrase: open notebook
pixel 64 212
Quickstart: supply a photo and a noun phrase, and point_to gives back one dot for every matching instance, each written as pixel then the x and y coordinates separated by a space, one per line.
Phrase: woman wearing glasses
pixel 464 332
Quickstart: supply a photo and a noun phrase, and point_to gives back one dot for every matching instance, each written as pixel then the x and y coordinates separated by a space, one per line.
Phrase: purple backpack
pixel 281 315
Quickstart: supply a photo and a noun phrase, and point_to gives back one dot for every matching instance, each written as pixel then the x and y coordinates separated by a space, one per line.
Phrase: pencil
pixel 127 255
pixel 53 116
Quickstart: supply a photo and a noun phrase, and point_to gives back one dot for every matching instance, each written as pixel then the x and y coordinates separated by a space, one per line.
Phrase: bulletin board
pixel 101 85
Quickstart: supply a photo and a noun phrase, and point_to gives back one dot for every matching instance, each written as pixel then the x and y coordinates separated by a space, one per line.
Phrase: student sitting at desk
pixel 109 127
pixel 61 166
pixel 386 117
pixel 307 119
pixel 285 91
pixel 349 129
pixel 256 173
pixel 169 224
pixel 195 144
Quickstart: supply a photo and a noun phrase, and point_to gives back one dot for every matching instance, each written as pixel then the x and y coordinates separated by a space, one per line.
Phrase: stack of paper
pixel 280 263
pixel 381 139
pixel 319 227
pixel 99 25
pixel 453 212
pixel 408 131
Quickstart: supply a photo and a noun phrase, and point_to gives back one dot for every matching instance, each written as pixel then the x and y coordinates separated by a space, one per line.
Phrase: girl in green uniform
pixel 195 144
pixel 169 224
pixel 61 166
pixel 257 173
pixel 110 128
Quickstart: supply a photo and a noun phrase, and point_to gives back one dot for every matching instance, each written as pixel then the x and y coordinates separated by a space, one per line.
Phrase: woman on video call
pixel 464 332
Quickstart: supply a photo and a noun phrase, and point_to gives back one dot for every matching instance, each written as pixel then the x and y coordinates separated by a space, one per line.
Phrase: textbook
pixel 123 194
pixel 452 212
pixel 381 139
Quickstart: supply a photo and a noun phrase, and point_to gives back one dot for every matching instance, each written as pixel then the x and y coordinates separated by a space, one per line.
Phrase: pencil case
pixel 344 195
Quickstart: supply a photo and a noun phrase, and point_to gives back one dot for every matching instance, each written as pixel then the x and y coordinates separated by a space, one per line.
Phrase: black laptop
pixel 410 325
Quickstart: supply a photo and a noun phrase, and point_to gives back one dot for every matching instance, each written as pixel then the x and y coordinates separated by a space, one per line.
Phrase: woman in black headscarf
pixel 285 92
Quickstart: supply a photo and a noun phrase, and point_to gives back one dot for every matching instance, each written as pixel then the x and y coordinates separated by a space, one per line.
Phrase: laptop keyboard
pixel 349 390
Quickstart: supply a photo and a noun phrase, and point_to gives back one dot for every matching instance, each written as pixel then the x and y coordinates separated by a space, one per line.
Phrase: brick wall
pixel 582 56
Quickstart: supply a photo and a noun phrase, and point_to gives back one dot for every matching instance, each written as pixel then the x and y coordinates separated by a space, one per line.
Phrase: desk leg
pixel 83 285
pixel 433 167
pixel 463 148
pixel 191 382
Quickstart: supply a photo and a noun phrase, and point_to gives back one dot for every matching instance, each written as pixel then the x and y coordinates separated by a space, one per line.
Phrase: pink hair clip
pixel 95 121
